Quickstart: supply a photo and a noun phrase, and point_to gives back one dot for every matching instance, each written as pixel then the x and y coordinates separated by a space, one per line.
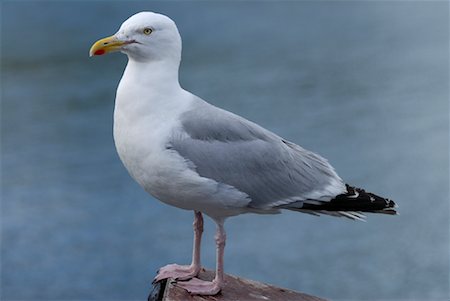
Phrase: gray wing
pixel 271 171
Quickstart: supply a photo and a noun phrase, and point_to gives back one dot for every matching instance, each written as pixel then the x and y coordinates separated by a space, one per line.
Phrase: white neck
pixel 150 89
pixel 158 74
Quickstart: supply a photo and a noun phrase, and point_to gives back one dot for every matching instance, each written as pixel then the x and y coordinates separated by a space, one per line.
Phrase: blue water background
pixel 364 84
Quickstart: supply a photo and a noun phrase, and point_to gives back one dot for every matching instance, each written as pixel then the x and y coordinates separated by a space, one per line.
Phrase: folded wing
pixel 271 171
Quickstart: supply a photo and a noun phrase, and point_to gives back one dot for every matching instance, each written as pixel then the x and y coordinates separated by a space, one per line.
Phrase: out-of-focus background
pixel 365 84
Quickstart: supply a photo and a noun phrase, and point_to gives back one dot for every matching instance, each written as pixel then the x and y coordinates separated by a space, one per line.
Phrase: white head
pixel 144 37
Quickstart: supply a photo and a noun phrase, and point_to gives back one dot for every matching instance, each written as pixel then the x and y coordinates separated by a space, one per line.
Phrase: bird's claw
pixel 197 286
pixel 177 272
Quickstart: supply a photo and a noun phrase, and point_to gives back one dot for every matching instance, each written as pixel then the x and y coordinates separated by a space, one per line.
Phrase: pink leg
pixel 200 287
pixel 181 272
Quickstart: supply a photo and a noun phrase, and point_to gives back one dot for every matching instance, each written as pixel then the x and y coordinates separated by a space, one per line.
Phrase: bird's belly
pixel 167 176
pixel 145 158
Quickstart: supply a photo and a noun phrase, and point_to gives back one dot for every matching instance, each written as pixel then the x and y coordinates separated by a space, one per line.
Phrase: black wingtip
pixel 356 200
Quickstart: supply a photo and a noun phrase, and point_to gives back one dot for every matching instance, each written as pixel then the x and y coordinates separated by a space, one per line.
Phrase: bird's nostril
pixel 106 43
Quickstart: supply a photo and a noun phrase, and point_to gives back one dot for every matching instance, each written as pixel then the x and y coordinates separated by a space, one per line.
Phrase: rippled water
pixel 363 84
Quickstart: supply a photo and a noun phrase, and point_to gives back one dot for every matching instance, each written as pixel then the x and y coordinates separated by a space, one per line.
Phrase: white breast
pixel 146 115
pixel 143 123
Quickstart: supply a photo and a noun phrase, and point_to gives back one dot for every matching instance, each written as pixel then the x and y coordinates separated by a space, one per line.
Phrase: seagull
pixel 192 155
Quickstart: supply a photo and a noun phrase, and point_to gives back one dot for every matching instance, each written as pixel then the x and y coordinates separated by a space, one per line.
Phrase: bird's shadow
pixel 157 291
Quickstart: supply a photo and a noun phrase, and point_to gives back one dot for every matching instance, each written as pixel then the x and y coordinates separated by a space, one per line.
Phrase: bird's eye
pixel 147 31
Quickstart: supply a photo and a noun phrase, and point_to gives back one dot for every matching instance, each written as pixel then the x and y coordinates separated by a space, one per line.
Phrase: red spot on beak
pixel 99 52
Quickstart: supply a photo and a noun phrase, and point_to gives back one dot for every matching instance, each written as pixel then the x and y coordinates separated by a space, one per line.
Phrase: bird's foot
pixel 196 286
pixel 177 272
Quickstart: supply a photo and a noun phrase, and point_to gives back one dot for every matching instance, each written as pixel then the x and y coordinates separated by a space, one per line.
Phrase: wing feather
pixel 232 150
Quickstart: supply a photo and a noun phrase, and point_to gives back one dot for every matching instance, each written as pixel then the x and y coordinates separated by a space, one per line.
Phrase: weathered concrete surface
pixel 236 289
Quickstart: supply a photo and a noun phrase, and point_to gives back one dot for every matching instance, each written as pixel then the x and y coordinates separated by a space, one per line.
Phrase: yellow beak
pixel 109 44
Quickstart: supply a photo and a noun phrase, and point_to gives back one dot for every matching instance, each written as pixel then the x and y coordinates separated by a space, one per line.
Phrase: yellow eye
pixel 147 31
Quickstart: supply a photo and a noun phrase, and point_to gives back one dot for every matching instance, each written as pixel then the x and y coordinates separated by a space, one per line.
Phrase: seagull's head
pixel 145 36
